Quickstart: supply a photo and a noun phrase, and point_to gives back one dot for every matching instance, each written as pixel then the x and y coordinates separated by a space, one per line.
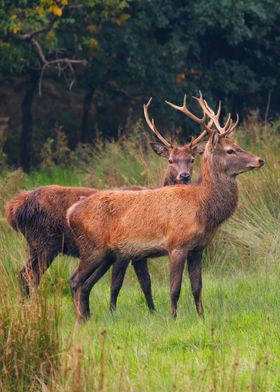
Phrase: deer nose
pixel 185 176
pixel 261 162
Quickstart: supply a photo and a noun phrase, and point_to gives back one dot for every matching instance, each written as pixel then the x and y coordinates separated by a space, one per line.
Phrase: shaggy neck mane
pixel 219 194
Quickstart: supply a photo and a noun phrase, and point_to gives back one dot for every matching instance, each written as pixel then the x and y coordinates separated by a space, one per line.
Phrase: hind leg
pixel 83 280
pixel 143 275
pixel 194 267
pixel 177 264
pixel 26 274
pixel 36 265
pixel 118 272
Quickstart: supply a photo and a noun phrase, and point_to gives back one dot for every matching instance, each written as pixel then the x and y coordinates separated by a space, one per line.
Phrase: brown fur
pixel 40 216
pixel 174 220
pixel 13 206
pixel 180 158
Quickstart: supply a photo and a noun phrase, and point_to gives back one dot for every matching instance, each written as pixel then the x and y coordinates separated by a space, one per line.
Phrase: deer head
pixel 180 158
pixel 223 151
pixel 230 158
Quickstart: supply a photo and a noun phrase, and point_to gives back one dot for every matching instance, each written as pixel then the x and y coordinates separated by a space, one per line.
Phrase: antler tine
pixel 198 139
pixel 214 117
pixel 233 127
pixel 201 136
pixel 229 127
pixel 152 125
pixel 228 124
pixel 184 109
pixel 210 112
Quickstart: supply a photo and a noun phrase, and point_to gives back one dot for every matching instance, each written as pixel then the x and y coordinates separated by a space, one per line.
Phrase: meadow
pixel 235 348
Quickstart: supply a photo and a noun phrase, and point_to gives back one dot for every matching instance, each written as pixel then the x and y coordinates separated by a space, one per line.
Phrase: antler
pixel 198 139
pixel 228 128
pixel 200 121
pixel 152 125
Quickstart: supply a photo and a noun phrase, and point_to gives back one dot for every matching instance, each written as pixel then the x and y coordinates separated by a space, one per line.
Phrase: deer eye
pixel 170 161
pixel 230 151
pixel 192 161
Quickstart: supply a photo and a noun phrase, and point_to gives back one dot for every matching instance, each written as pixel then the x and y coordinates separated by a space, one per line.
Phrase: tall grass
pixel 236 347
pixel 29 333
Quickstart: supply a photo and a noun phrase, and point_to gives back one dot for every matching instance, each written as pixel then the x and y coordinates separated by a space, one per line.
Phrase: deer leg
pixel 118 272
pixel 83 281
pixel 26 274
pixel 177 263
pixel 76 281
pixel 36 265
pixel 143 275
pixel 194 268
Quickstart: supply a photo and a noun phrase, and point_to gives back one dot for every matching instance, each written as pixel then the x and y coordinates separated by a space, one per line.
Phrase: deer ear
pixel 214 141
pixel 160 149
pixel 198 149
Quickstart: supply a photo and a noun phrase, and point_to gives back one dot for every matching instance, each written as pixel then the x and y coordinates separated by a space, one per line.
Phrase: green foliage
pixel 126 162
pixel 47 155
pixel 56 152
pixel 25 17
pixel 62 154
pixel 137 49
pixel 10 183
pixel 226 49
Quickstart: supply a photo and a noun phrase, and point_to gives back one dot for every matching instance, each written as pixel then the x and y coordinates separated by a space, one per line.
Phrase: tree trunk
pixel 26 121
pixel 85 131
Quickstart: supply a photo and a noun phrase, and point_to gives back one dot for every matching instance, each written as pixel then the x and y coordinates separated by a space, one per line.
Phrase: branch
pixel 68 65
pixel 30 35
pixel 43 59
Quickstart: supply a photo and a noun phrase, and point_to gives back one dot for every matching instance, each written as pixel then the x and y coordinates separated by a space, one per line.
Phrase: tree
pixel 27 33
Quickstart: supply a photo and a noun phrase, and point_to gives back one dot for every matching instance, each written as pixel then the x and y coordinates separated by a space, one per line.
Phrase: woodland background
pixel 115 54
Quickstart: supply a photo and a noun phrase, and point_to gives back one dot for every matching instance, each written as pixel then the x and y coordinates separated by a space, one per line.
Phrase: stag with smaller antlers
pixel 178 221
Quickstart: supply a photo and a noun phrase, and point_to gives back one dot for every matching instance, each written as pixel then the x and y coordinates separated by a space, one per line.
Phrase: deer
pixel 179 171
pixel 176 221
pixel 39 215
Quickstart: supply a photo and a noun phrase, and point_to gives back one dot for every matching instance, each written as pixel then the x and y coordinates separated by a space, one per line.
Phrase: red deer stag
pixel 178 221
pixel 40 216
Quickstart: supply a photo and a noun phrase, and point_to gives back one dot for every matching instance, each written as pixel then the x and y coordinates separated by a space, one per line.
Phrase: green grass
pixel 236 347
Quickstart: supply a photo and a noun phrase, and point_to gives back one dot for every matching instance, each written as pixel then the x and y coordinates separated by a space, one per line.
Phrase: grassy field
pixel 236 347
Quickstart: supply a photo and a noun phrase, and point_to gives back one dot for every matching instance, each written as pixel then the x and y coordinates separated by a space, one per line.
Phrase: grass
pixel 236 347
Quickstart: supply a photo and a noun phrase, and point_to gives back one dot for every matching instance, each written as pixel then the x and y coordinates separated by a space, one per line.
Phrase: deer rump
pixel 40 216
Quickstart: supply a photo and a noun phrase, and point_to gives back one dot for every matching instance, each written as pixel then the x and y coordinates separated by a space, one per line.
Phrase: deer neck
pixel 169 177
pixel 219 195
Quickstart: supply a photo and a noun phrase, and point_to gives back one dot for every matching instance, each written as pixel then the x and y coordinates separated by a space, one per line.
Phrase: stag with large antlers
pixel 178 221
